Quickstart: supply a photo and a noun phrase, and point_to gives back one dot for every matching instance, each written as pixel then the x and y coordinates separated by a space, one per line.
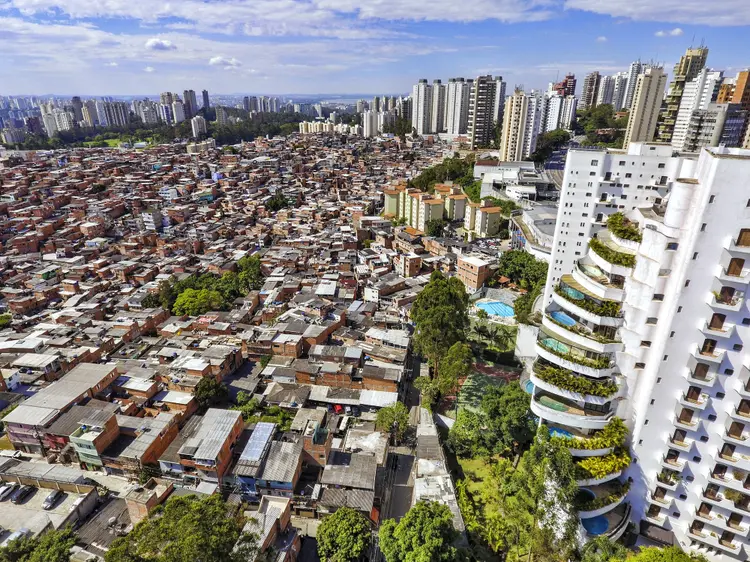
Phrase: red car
pixel 338 409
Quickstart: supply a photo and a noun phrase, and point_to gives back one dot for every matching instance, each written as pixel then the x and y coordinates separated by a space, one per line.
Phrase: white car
pixel 14 536
pixel 6 490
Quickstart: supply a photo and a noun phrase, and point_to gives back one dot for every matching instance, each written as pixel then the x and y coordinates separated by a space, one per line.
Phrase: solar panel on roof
pixel 262 434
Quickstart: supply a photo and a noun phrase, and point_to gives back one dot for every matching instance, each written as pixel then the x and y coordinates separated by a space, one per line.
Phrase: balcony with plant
pixel 569 352
pixel 623 228
pixel 598 468
pixel 611 255
pixel 600 334
pixel 611 436
pixel 568 380
pixel 599 307
pixel 606 494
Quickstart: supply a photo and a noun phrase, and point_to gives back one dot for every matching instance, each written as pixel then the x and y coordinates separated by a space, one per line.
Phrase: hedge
pixel 621 227
pixel 611 435
pixel 610 255
pixel 563 378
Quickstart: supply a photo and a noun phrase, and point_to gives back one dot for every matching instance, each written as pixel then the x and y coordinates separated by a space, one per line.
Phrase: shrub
pixel 563 378
pixel 610 255
pixel 601 362
pixel 617 493
pixel 599 467
pixel 612 435
pixel 621 227
pixel 610 309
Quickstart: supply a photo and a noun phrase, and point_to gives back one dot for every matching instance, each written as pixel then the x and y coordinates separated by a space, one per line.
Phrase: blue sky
pixel 131 47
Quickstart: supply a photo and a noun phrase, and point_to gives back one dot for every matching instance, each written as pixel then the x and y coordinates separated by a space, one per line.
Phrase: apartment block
pixel 643 331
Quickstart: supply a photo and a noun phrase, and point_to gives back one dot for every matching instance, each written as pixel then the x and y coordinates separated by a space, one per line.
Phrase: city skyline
pixel 336 47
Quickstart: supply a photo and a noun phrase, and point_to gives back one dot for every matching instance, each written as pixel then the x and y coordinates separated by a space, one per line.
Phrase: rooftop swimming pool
pixel 497 308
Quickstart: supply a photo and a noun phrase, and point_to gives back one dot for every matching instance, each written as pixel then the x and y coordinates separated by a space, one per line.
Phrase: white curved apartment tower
pixel 647 323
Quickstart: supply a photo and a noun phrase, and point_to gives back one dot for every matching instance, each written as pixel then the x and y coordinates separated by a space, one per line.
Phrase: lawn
pixel 112 143
pixel 476 471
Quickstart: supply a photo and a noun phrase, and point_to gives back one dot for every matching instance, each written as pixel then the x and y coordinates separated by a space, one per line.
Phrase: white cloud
pixel 692 12
pixel 113 63
pixel 149 69
pixel 156 44
pixel 227 63
pixel 676 32
pixel 601 39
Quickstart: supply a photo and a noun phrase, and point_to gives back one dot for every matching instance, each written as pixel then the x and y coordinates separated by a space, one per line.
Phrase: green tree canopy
pixel 186 528
pixel 522 268
pixel 510 423
pixel 5 320
pixel 547 143
pixel 194 302
pixel 435 227
pixel 343 536
pixel 603 549
pixel 52 546
pixel 667 554
pixel 441 315
pixel 424 534
pixel 209 392
pixel 393 419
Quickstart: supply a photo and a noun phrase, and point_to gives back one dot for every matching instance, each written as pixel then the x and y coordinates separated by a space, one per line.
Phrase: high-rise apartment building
pixel 705 127
pixel 90 116
pixel 198 124
pixel 206 103
pixel 519 109
pixel 741 90
pixel 686 69
pixel 606 90
pixel 178 111
pixel 77 109
pixel 222 118
pixel 190 103
pixel 697 94
pixel 558 112
pixel 590 91
pixel 166 98
pixel 457 105
pixel 643 330
pixel 566 87
pixel 644 112
pixel 619 90
pixel 483 110
pixel 437 115
pixel 421 107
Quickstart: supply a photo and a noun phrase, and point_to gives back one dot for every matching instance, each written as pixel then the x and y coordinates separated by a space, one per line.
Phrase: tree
pixel 522 268
pixel 5 320
pixel 52 546
pixel 425 533
pixel 209 391
pixel 467 436
pixel 187 528
pixel 547 143
pixel 482 314
pixel 510 423
pixel 393 419
pixel 151 300
pixel 603 549
pixel 666 554
pixel 435 227
pixel 440 313
pixel 456 365
pixel 343 536
pixel 251 274
pixel 194 302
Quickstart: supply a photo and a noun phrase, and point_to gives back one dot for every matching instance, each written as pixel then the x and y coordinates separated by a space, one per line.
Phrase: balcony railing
pixel 715 356
pixel 733 302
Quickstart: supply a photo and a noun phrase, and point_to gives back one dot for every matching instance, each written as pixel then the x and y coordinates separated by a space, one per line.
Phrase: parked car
pixel 22 493
pixel 7 490
pixel 14 537
pixel 52 499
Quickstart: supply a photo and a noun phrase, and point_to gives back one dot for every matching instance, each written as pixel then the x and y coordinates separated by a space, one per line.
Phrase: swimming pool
pixel 562 318
pixel 584 495
pixel 529 387
pixel 557 432
pixel 497 308
pixel 595 525
pixel 551 343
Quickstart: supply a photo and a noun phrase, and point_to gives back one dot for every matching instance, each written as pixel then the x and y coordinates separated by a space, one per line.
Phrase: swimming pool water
pixel 584 495
pixel 562 318
pixel 552 343
pixel 497 308
pixel 573 293
pixel 529 387
pixel 595 525
pixel 557 432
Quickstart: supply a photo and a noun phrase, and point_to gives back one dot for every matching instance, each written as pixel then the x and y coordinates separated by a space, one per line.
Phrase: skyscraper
pixel 688 67
pixel 437 123
pixel 421 107
pixel 457 106
pixel 567 87
pixel 635 69
pixel 178 111
pixel 483 111
pixel 741 90
pixel 646 103
pixel 522 119
pixel 619 90
pixel 590 90
pixel 166 98
pixel 206 103
pixel 606 90
pixel 640 347
pixel 90 116
pixel 697 94
pixel 77 109
pixel 198 124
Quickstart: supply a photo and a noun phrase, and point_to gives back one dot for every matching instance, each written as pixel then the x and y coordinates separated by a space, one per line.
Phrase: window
pixel 662 166
pixel 720 395
pixel 658 297
pixel 652 401
pixel 672 246
pixel 737 347
pixel 704 438
pixel 728 371
pixel 595 162
pixel 645 423
pixel 712 199
pixel 746 321
pixel 687 282
pixel 652 320
pixel 645 343
pixel 695 255
pixel 696 459
pixel 628 175
pixel 679 308
pixel 665 357
pixel 657 380
pixel 748 203
pixel 621 163
pixel 671 334
pixel 712 417
pixel 640 365
pixel 592 173
pixel 703 227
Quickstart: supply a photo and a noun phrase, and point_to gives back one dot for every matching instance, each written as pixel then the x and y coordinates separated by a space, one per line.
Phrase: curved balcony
pixel 617 522
pixel 577 437
pixel 611 257
pixel 593 501
pixel 596 481
pixel 571 295
pixel 550 407
pixel 564 353
pixel 591 277
pixel 565 326
pixel 569 394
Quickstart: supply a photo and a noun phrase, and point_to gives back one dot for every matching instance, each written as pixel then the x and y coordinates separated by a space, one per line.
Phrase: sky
pixel 143 47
